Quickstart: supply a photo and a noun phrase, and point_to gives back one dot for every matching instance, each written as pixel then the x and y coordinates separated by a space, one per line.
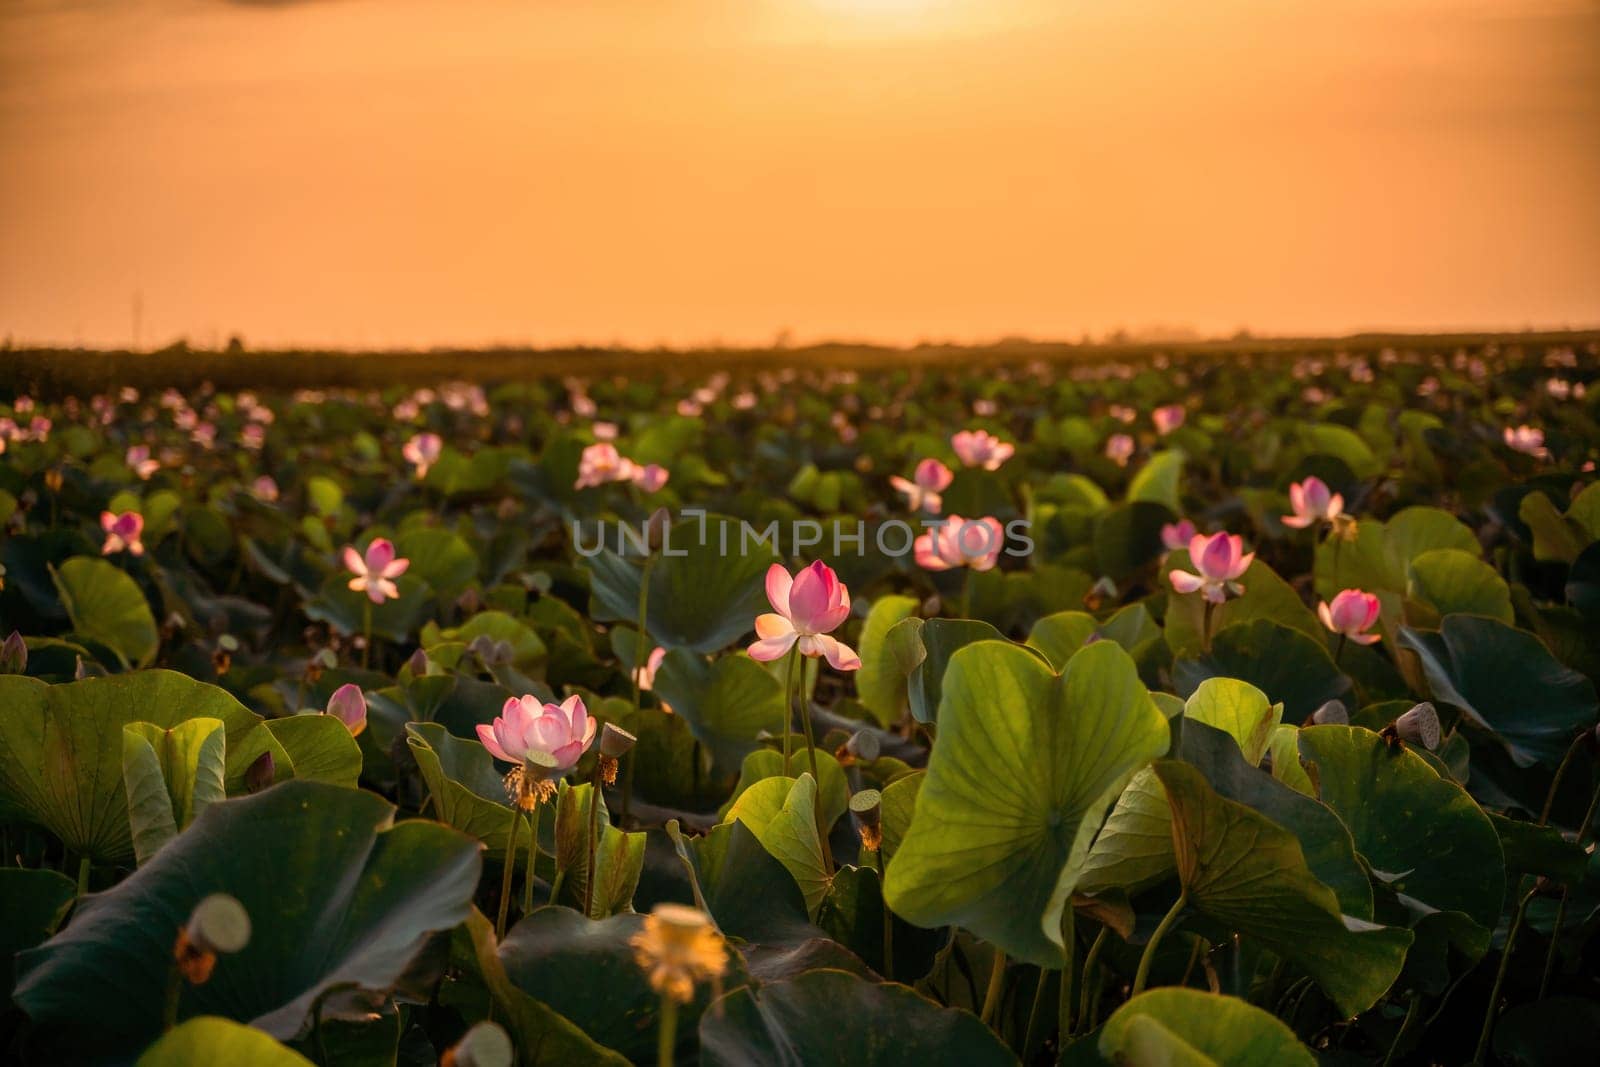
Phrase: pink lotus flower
pixel 649 478
pixel 1119 449
pixel 375 572
pixel 1313 502
pixel 265 489
pixel 980 448
pixel 557 734
pixel 139 459
pixel 1174 535
pixel 253 436
pixel 1528 440
pixel 422 452
pixel 602 463
pixel 122 532
pixel 604 431
pixel 1221 560
pixel 931 479
pixel 646 674
pixel 348 704
pixel 808 607
pixel 1168 418
pixel 958 542
pixel 1351 614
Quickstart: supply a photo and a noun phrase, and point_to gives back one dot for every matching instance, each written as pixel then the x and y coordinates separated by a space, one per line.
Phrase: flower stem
pixel 594 841
pixel 1493 1009
pixel 666 1032
pixel 788 706
pixel 513 825
pixel 888 918
pixel 366 633
pixel 533 859
pixel 83 875
pixel 1167 921
pixel 638 664
pixel 991 995
pixel 169 1012
pixel 1405 1027
pixel 1090 964
pixel 816 778
pixel 1205 627
pixel 1338 650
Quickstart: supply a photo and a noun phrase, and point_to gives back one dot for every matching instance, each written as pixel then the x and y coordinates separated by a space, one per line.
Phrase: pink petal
pixel 379 555
pixel 353 562
pixel 839 655
pixel 809 597
pixel 778 586
pixel 1184 582
pixel 487 736
pixel 771 648
pixel 768 626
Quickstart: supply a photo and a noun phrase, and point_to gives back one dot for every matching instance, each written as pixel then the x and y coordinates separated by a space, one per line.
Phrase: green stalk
pixel 816 778
pixel 1205 627
pixel 888 918
pixel 788 704
pixel 366 632
pixel 594 842
pixel 991 995
pixel 83 876
pixel 667 1032
pixel 512 826
pixel 1030 1036
pixel 1493 1010
pixel 1405 1028
pixel 638 663
pixel 1167 921
pixel 1090 963
pixel 533 859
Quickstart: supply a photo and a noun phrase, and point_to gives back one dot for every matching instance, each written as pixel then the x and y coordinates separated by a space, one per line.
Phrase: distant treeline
pixel 49 372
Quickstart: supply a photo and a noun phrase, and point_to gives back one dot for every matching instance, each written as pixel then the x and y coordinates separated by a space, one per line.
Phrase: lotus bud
pixel 1333 712
pixel 14 655
pixel 418 663
pixel 349 705
pixel 263 769
pixel 485 1045
pixel 656 527
pixel 469 602
pixel 219 925
pixel 867 807
pixel 1419 726
pixel 615 742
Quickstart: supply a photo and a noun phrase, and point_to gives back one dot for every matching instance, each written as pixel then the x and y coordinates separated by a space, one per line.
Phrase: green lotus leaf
pixel 852 914
pixel 1266 597
pixel 107 606
pixel 1291 668
pixel 1556 538
pixel 467 790
pixel 1425 830
pixel 171 776
pixel 1244 871
pixel 748 890
pixel 880 683
pixel 1158 480
pixel 367 894
pixel 618 857
pixel 924 647
pixel 439 557
pixel 34 900
pixel 321 747
pixel 781 813
pixel 706 587
pixel 801 1021
pixel 1284 747
pixel 1539 850
pixel 1126 538
pixel 213 1039
pixel 1378 559
pixel 1583 584
pixel 727 702
pixel 1176 1026
pixel 527 649
pixel 1450 581
pixel 61 749
pixel 768 763
pixel 897 808
pixel 1508 684
pixel 1059 636
pixel 345 609
pixel 1025 765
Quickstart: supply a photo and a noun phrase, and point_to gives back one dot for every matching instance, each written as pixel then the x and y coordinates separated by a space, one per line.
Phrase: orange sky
pixel 410 172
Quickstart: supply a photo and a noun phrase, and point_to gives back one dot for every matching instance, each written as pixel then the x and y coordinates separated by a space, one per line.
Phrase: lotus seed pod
pixel 219 924
pixel 261 773
pixel 14 655
pixel 485 1045
pixel 1420 726
pixel 864 745
pixel 615 741
pixel 867 807
pixel 1332 713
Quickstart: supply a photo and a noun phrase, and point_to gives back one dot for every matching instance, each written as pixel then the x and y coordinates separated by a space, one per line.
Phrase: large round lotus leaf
pixel 1557 1030
pixel 1025 765
pixel 1508 683
pixel 170 776
pixel 106 606
pixel 748 891
pixel 1450 581
pixel 706 588
pixel 1378 558
pixel 880 683
pixel 468 791
pixel 61 748
pixel 853 916
pixel 923 649
pixel 1292 669
pixel 1135 848
pixel 768 763
pixel 527 649
pixel 1266 597
pixel 727 702
pixel 34 901
pixel 897 808
pixel 834 1017
pixel 321 748
pixel 1248 873
pixel 337 893
pixel 1424 831
pixel 1185 1026
pixel 1127 537
pixel 1059 636
pixel 585 970
pixel 214 1040
pixel 345 609
pixel 439 557
pixel 1583 583
pixel 781 813
pixel 1158 480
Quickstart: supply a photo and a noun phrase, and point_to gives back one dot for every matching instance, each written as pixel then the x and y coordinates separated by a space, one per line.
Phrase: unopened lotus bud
pixel 263 769
pixel 485 1045
pixel 418 663
pixel 469 602
pixel 14 654
pixel 867 807
pixel 1332 713
pixel 218 926
pixel 1419 726
pixel 349 705
pixel 482 646
pixel 656 527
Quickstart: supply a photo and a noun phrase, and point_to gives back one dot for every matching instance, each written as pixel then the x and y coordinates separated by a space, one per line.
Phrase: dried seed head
pixel 1420 726
pixel 867 807
pixel 219 925
pixel 615 741
pixel 1332 713
pixel 485 1045
pixel 677 948
pixel 864 745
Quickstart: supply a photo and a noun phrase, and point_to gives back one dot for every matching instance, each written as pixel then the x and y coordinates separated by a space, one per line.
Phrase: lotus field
pixel 1135 708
